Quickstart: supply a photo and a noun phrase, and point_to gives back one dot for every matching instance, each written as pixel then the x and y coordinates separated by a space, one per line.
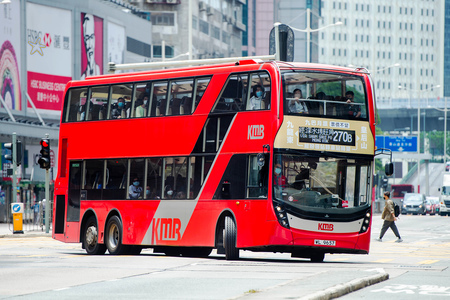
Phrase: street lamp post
pixel 445 127
pixel 308 31
pixel 418 132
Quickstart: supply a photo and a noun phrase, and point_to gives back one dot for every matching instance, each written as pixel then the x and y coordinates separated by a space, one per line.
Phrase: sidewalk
pixel 29 230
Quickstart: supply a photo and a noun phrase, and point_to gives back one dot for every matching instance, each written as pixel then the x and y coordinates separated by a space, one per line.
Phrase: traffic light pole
pixel 47 197
pixel 14 160
pixel 47 202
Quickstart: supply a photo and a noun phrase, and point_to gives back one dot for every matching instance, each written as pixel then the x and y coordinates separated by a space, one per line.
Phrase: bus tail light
pixel 366 222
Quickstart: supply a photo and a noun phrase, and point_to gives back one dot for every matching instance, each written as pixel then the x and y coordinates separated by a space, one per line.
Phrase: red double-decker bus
pixel 248 155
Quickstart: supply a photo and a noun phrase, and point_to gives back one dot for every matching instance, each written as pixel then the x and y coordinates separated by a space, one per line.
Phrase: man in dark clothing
pixel 389 218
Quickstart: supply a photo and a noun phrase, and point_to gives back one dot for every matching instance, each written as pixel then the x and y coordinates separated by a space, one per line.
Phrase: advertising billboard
pixel 91 45
pixel 10 56
pixel 49 54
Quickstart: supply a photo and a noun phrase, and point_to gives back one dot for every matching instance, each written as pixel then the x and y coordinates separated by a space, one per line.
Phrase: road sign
pixel 397 143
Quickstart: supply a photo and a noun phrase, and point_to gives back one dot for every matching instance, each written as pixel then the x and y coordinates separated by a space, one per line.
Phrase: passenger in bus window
pixel 118 109
pixel 256 100
pixel 297 106
pixel 168 192
pixel 278 178
pixel 141 107
pixel 354 111
pixel 135 190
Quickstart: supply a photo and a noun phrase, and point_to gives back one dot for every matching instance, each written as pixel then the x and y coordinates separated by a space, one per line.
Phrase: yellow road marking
pixel 384 260
pixel 34 255
pixel 427 262
pixel 340 259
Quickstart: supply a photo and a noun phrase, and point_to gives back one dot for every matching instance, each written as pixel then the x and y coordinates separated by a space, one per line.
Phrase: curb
pixel 346 288
pixel 26 235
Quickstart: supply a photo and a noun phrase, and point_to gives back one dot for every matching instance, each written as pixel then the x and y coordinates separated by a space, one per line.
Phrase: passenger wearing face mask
pixel 278 178
pixel 256 101
pixel 117 108
pixel 141 107
pixel 169 192
pixel 135 190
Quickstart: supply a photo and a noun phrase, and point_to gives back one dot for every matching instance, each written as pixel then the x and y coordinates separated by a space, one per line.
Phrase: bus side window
pixel 181 89
pixel 231 97
pixel 200 87
pixel 137 170
pixel 259 91
pixel 93 180
pixel 99 99
pixel 115 179
pixel 160 91
pixel 75 102
pixel 258 178
pixel 120 94
pixel 154 182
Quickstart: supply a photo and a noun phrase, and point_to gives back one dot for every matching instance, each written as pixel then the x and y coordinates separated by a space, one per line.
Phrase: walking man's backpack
pixel 396 210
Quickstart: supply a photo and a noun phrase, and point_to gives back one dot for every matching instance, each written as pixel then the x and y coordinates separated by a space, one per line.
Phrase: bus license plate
pixel 324 242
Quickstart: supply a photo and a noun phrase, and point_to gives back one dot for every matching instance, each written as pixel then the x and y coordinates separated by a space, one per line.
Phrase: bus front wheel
pixel 229 239
pixel 113 236
pixel 90 238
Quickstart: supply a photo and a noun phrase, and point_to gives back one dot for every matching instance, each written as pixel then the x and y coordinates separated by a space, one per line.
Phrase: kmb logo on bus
pixel 326 227
pixel 255 132
pixel 166 229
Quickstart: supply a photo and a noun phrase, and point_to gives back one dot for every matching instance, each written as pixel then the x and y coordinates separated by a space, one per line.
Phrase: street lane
pixel 52 269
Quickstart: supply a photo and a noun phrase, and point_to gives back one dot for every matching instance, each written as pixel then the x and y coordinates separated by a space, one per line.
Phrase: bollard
pixel 17 212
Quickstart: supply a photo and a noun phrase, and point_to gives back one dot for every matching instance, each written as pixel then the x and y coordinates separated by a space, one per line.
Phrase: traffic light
pixel 375 180
pixel 10 157
pixel 18 153
pixel 44 161
pixel 384 182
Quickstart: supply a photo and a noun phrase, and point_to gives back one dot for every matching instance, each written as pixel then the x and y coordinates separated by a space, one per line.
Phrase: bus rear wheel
pixel 90 238
pixel 113 236
pixel 229 239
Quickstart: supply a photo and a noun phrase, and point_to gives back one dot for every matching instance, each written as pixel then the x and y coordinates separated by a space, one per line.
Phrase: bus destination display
pixel 326 136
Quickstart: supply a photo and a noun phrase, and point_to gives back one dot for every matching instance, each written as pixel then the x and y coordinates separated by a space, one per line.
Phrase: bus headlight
pixel 366 222
pixel 281 216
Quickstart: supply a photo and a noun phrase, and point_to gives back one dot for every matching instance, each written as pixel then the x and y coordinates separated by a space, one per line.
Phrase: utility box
pixel 17 213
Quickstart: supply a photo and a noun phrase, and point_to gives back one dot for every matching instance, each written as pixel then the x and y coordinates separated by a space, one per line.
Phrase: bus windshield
pixel 324 94
pixel 321 183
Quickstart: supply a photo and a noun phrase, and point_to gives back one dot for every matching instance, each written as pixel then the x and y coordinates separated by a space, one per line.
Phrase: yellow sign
pixel 331 135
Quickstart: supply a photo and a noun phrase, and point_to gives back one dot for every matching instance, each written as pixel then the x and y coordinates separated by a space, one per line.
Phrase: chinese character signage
pixel 49 54
pixel 319 134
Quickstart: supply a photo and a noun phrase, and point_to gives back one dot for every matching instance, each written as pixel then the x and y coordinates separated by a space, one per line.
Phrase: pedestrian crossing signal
pixel 44 160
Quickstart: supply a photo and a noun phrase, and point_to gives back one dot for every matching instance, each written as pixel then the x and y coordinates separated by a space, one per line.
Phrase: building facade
pixel 400 42
pixel 43 45
pixel 216 31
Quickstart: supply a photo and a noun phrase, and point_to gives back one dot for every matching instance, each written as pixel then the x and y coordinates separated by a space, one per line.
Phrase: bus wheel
pixel 229 239
pixel 90 238
pixel 317 257
pixel 113 236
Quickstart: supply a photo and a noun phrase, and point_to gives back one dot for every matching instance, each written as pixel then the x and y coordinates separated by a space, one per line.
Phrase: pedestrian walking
pixel 389 218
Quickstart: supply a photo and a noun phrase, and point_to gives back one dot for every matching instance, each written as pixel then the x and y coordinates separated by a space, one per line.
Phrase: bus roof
pixel 249 61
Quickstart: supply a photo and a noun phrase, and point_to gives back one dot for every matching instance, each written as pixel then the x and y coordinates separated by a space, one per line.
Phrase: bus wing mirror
pixel 389 169
pixel 261 159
